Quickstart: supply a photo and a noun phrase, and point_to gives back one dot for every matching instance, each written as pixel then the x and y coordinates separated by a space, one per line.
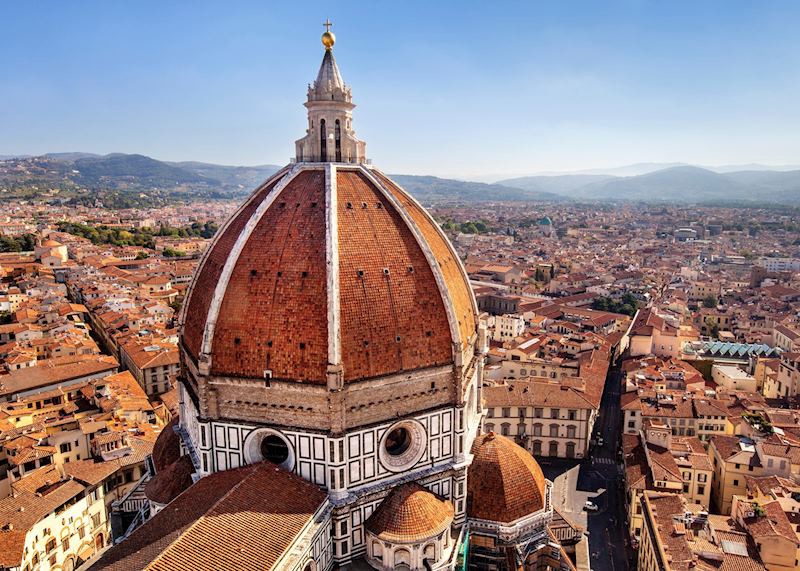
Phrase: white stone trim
pixel 332 266
pixel 233 258
pixel 220 231
pixel 455 333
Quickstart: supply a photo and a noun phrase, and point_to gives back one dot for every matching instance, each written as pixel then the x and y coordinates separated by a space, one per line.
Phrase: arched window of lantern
pixel 323 141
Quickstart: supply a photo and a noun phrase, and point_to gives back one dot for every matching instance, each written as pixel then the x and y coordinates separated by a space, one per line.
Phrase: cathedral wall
pixel 377 400
pixel 299 405
pixel 341 464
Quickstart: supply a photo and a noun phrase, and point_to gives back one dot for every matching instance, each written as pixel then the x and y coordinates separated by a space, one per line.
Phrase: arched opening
pixel 323 141
pixel 338 139
pixel 274 449
pixel 377 550
pixel 402 559
pixel 430 552
pixel 99 541
pixel 553 451
pixel 570 450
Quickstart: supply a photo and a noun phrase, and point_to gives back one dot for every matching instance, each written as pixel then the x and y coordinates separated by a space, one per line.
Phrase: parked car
pixel 590 506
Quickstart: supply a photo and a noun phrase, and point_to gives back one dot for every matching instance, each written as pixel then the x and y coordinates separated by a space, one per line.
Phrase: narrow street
pixel 607 533
pixel 598 479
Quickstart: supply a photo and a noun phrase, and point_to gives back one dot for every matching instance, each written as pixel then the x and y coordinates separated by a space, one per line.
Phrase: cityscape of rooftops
pixel 418 286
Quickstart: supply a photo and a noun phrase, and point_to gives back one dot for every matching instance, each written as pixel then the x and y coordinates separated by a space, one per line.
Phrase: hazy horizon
pixel 470 92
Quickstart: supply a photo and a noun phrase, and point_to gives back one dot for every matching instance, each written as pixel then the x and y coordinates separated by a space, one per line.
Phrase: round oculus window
pixel 402 445
pixel 397 441
pixel 270 445
pixel 274 449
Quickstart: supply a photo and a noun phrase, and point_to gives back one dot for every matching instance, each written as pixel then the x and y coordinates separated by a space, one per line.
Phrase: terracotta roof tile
pixel 211 525
pixel 410 513
pixel 504 483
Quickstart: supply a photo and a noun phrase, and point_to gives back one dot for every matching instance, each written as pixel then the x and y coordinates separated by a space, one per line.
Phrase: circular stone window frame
pixel 409 458
pixel 252 448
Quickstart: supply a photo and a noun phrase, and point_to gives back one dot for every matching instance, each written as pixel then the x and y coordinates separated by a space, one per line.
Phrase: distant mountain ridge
pixel 682 184
pixel 431 189
pixel 132 173
pixel 70 175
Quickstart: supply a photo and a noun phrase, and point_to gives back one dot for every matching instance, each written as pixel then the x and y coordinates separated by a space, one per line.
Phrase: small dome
pixel 170 482
pixel 504 482
pixel 410 513
pixel 167 448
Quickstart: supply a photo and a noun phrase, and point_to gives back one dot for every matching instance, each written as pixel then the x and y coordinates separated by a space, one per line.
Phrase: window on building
pixel 537 448
pixel 506 412
pixel 538 413
pixel 553 451
pixel 572 414
pixel 701 490
pixel 65 447
pixel 505 429
pixel 554 430
pixel 554 413
pixel 571 430
pixel 50 545
pixel 537 429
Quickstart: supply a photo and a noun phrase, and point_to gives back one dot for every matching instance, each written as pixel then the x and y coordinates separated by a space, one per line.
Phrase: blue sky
pixel 465 89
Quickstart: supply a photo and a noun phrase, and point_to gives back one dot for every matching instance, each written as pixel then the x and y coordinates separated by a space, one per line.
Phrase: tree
pixel 710 301
pixel 170 253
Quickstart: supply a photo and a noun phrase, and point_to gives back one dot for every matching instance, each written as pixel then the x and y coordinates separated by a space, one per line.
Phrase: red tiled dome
pixel 170 481
pixel 167 448
pixel 410 513
pixel 293 284
pixel 504 482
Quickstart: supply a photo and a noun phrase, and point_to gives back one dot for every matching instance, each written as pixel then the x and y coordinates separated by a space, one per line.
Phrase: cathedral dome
pixel 328 266
pixel 410 513
pixel 504 483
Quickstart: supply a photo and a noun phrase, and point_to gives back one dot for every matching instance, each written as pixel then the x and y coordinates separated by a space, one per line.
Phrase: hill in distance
pixel 434 189
pixel 131 173
pixel 680 184
pixel 74 174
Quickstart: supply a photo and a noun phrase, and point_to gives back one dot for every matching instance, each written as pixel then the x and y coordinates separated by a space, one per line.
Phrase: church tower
pixel 330 136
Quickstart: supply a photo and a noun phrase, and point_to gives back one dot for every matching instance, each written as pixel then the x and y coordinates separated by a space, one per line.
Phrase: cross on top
pixel 327 25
